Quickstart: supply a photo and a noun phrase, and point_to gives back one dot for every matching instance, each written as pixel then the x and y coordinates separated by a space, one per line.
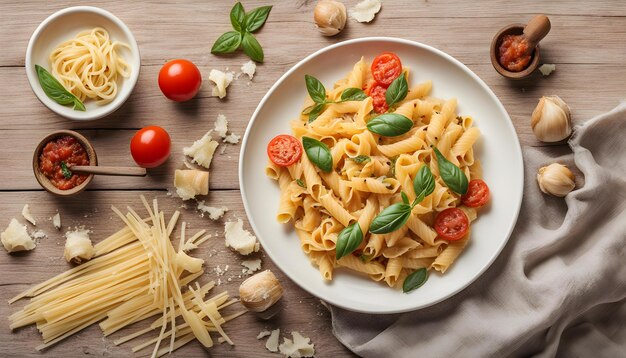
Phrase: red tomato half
pixel 477 194
pixel 386 67
pixel 377 92
pixel 150 147
pixel 451 224
pixel 179 80
pixel 284 150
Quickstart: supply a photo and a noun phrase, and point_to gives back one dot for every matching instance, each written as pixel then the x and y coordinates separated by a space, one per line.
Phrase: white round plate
pixel 498 149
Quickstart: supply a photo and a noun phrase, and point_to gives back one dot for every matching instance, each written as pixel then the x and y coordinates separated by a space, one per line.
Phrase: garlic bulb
pixel 330 17
pixel 259 292
pixel 551 120
pixel 556 179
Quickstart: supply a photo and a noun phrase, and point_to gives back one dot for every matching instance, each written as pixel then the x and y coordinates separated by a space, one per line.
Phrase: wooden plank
pixel 302 312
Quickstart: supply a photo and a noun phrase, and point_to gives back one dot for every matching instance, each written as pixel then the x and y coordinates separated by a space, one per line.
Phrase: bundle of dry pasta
pixel 136 274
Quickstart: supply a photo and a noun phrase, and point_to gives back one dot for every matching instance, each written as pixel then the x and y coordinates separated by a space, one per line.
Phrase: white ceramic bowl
pixel 64 25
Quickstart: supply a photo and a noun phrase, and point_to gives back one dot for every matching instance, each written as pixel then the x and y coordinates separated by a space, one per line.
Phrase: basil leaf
pixel 405 199
pixel 390 125
pixel 256 18
pixel 238 17
pixel 315 88
pixel 452 175
pixel 318 153
pixel 366 258
pixel 316 111
pixel 397 90
pixel 360 159
pixel 392 170
pixel 391 219
pixel 300 183
pixel 424 182
pixel 252 47
pixel 55 90
pixel 415 280
pixel 66 172
pixel 353 94
pixel 348 240
pixel 227 43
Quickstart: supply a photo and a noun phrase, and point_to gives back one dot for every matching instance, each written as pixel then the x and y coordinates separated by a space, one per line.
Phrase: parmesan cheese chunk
pixel 222 80
pixel 202 150
pixel 221 125
pixel 251 266
pixel 190 183
pixel 78 246
pixel 232 138
pixel 214 213
pixel 299 347
pixel 27 215
pixel 56 221
pixel 15 237
pixel 365 10
pixel 546 69
pixel 249 68
pixel 239 239
pixel 263 334
pixel 272 342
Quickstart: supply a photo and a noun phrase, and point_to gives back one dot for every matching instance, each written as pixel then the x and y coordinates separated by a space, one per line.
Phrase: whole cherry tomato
pixel 150 146
pixel 179 80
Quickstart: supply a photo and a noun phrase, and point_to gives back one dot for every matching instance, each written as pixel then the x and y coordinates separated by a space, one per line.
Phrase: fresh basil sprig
pixel 317 92
pixel 360 159
pixel 348 240
pixel 415 280
pixel 424 183
pixel 318 153
pixel 390 125
pixel 55 90
pixel 244 25
pixel 452 175
pixel 65 170
pixel 394 216
pixel 397 90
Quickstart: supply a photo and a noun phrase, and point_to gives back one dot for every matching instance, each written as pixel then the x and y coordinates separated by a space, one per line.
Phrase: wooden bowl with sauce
pixel 44 181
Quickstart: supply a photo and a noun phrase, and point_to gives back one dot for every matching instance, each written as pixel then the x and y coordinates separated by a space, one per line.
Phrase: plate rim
pixel 478 80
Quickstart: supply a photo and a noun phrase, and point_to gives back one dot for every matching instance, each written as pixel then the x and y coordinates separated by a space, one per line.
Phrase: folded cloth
pixel 557 289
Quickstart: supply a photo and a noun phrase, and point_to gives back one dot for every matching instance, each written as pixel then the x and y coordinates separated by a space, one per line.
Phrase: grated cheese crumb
pixel 546 69
pixel 365 11
pixel 251 266
pixel 56 221
pixel 27 215
pixel 221 125
pixel 232 138
pixel 272 342
pixel 299 347
pixel 222 80
pixel 38 235
pixel 239 239
pixel 249 68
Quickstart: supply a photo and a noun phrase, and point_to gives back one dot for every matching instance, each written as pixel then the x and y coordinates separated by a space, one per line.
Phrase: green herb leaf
pixel 405 199
pixel 55 90
pixel 316 111
pixel 392 170
pixel 318 153
pixel 348 240
pixel 415 280
pixel 227 43
pixel 238 17
pixel 300 183
pixel 360 159
pixel 252 47
pixel 353 94
pixel 315 88
pixel 65 170
pixel 256 18
pixel 365 258
pixel 424 182
pixel 397 90
pixel 452 175
pixel 391 219
pixel 390 125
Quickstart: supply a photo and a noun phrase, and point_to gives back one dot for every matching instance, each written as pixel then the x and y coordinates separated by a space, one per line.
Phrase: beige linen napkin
pixel 557 289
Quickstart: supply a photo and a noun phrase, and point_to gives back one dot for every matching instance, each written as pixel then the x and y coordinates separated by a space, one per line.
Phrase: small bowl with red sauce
pixel 54 157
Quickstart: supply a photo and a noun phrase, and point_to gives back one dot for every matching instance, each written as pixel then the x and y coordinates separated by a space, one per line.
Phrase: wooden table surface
pixel 587 43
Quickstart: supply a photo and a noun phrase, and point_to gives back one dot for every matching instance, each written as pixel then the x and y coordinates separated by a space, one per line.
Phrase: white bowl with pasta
pixel 63 26
pixel 498 149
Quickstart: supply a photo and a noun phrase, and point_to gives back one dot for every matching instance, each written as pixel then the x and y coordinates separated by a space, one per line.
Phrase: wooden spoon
pixel 113 171
pixel 536 29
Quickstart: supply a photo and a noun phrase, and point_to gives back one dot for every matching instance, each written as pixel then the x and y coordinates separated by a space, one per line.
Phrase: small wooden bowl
pixel 513 29
pixel 44 181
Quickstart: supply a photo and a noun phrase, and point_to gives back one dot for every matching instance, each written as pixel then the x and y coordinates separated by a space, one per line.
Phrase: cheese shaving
pixel 56 221
pixel 27 215
pixel 232 138
pixel 251 266
pixel 239 239
pixel 263 334
pixel 202 150
pixel 546 69
pixel 272 342
pixel 222 80
pixel 214 212
pixel 78 247
pixel 249 68
pixel 298 347
pixel 366 10
pixel 221 125
pixel 15 237
pixel 190 183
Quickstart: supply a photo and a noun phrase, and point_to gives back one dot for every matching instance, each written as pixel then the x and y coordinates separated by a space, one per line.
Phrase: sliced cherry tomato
pixel 377 92
pixel 179 80
pixel 477 194
pixel 150 147
pixel 451 224
pixel 284 150
pixel 386 67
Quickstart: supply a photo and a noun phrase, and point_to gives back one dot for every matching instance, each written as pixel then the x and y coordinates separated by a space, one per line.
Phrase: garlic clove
pixel 551 119
pixel 556 179
pixel 259 292
pixel 330 17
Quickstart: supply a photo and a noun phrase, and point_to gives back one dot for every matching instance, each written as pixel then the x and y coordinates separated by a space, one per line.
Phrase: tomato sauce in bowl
pixel 513 53
pixel 57 156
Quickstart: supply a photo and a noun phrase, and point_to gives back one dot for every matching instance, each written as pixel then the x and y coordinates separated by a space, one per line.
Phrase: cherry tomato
pixel 377 92
pixel 451 224
pixel 284 150
pixel 386 67
pixel 179 80
pixel 150 146
pixel 477 194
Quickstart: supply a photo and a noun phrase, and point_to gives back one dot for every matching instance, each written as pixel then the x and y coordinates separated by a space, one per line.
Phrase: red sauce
pixel 64 149
pixel 511 53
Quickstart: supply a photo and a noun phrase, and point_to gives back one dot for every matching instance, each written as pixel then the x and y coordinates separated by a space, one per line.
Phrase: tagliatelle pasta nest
pixel 371 172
